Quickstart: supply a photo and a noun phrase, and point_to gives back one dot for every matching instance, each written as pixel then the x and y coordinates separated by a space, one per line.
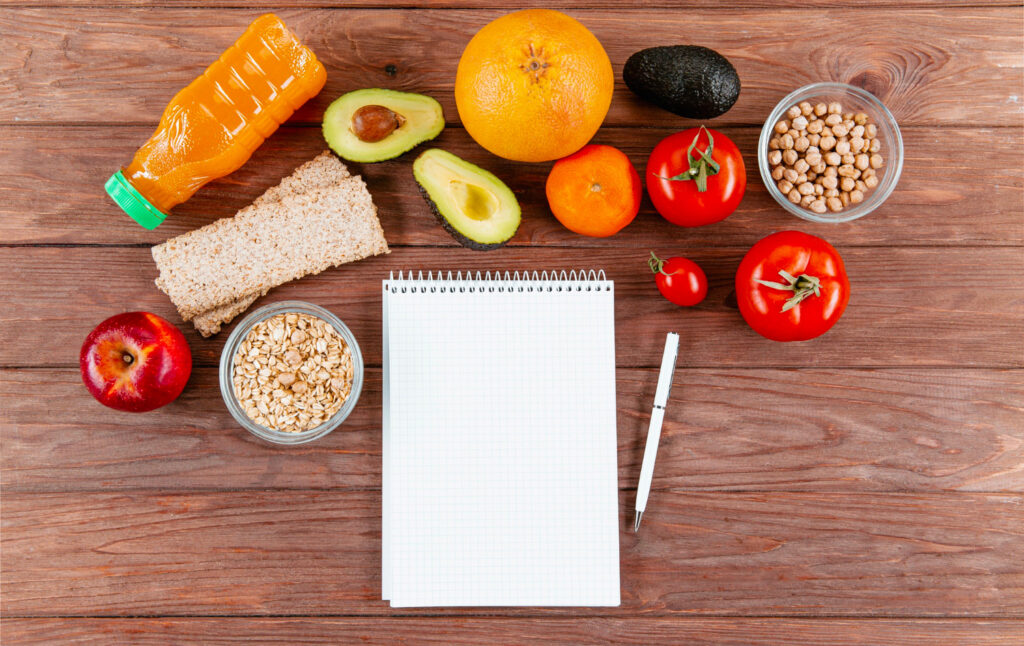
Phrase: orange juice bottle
pixel 211 127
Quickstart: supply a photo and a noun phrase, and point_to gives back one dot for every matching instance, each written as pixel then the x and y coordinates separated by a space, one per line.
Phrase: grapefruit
pixel 533 86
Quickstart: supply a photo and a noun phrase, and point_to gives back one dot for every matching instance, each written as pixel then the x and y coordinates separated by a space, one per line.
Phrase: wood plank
pixel 781 430
pixel 521 4
pixel 909 307
pixel 941 199
pixel 309 553
pixel 695 631
pixel 123 65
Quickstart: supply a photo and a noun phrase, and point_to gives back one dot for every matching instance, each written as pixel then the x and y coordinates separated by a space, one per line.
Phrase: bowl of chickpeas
pixel 830 152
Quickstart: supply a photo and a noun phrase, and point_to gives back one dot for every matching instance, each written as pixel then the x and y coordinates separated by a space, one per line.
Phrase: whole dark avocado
pixel 688 80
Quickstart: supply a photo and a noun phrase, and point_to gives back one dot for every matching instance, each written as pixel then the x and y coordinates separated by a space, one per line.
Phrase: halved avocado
pixel 373 125
pixel 471 204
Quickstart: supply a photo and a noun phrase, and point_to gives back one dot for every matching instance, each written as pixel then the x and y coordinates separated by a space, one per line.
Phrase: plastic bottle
pixel 213 126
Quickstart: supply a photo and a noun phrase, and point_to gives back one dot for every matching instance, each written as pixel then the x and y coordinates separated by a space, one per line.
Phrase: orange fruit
pixel 594 192
pixel 533 86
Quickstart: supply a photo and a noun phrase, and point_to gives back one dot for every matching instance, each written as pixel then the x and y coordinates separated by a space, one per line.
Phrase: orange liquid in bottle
pixel 213 126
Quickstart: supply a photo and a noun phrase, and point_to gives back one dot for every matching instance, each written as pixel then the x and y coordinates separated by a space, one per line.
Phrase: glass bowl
pixel 853 99
pixel 227 360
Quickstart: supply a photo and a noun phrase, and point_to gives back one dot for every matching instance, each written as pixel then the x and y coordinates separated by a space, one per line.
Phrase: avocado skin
pixel 688 80
pixel 461 239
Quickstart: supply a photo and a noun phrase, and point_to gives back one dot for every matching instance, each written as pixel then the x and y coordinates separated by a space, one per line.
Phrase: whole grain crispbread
pixel 323 170
pixel 216 271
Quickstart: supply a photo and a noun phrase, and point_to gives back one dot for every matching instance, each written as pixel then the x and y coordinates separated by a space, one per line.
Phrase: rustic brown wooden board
pixel 309 553
pixel 522 4
pixel 909 307
pixel 963 66
pixel 939 200
pixel 647 631
pixel 725 429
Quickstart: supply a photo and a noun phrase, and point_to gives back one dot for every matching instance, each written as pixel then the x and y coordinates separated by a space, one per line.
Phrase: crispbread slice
pixel 300 234
pixel 323 170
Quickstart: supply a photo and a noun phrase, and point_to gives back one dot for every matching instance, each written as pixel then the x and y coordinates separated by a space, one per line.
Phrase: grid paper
pixel 500 473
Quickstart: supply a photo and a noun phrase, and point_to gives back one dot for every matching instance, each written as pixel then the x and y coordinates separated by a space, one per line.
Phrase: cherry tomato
pixel 696 177
pixel 679 280
pixel 792 286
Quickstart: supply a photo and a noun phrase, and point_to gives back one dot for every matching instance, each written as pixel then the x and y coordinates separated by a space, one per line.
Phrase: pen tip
pixel 636 521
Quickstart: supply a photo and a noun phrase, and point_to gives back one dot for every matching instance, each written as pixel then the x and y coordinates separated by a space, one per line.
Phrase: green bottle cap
pixel 129 199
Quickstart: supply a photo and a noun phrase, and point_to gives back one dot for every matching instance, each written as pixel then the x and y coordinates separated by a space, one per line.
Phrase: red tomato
pixel 792 286
pixel 696 177
pixel 680 280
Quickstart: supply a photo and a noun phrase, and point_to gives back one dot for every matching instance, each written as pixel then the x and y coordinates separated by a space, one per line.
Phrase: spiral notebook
pixel 500 482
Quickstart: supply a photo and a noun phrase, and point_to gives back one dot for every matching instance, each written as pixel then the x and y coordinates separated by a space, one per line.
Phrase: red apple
pixel 135 362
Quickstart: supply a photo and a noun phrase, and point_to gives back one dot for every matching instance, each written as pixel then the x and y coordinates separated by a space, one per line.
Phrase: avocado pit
pixel 373 123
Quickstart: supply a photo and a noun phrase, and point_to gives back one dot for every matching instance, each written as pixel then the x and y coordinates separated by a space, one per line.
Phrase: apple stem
pixel 127 358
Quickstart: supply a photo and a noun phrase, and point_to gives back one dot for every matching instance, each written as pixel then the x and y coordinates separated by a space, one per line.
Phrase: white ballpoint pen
pixel 668 369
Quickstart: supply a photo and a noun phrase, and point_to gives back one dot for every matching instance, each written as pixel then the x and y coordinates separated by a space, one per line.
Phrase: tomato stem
pixel 657 265
pixel 702 167
pixel 802 286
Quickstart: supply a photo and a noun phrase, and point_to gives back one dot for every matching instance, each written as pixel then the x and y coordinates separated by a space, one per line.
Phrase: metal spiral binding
pixel 500 282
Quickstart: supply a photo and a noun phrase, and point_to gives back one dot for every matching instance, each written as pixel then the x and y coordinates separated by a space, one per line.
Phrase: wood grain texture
pixel 962 66
pixel 780 430
pixel 909 307
pixel 589 631
pixel 521 4
pixel 939 200
pixel 309 553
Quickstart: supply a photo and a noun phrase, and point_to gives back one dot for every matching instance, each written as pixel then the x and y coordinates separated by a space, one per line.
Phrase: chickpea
pixel 801 166
pixel 832 159
pixel 800 123
pixel 834 108
pixel 831 171
pixel 806 108
pixel 827 143
pixel 774 143
pixel 868 172
pixel 830 182
pixel 831 192
pixel 806 200
pixel 819 168
pixel 875 146
pixel 818 189
pixel 801 178
pixel 840 130
pixel 820 109
pixel 831 121
pixel 871 130
pixel 847 184
pixel 793 112
pixel 826 132
pixel 856 196
pixel 848 158
pixel 777 172
pixel 815 126
pixel 814 159
pixel 794 196
pixel 856 145
pixel 847 116
pixel 782 127
pixel 835 204
pixel 845 197
pixel 787 141
pixel 857 131
pixel 814 139
pixel 806 188
pixel 801 144
pixel 818 206
pixel 789 157
pixel 861 161
pixel 871 182
pixel 774 157
pixel 842 147
pixel 790 174
pixel 876 161
pixel 847 170
pixel 860 118
pixel 785 186
pixel 861 186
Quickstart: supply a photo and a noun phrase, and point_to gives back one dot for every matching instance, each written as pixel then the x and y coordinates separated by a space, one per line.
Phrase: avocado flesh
pixel 473 205
pixel 688 80
pixel 421 120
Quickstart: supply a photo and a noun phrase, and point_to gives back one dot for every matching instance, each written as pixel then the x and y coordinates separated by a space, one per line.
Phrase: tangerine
pixel 533 85
pixel 594 192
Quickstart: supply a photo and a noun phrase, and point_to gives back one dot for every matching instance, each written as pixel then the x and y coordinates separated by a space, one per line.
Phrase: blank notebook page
pixel 500 447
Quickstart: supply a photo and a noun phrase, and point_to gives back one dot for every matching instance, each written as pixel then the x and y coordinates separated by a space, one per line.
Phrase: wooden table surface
pixel 864 487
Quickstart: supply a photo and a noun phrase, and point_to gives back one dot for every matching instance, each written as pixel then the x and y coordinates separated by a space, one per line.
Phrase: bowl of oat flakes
pixel 291 372
pixel 830 152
